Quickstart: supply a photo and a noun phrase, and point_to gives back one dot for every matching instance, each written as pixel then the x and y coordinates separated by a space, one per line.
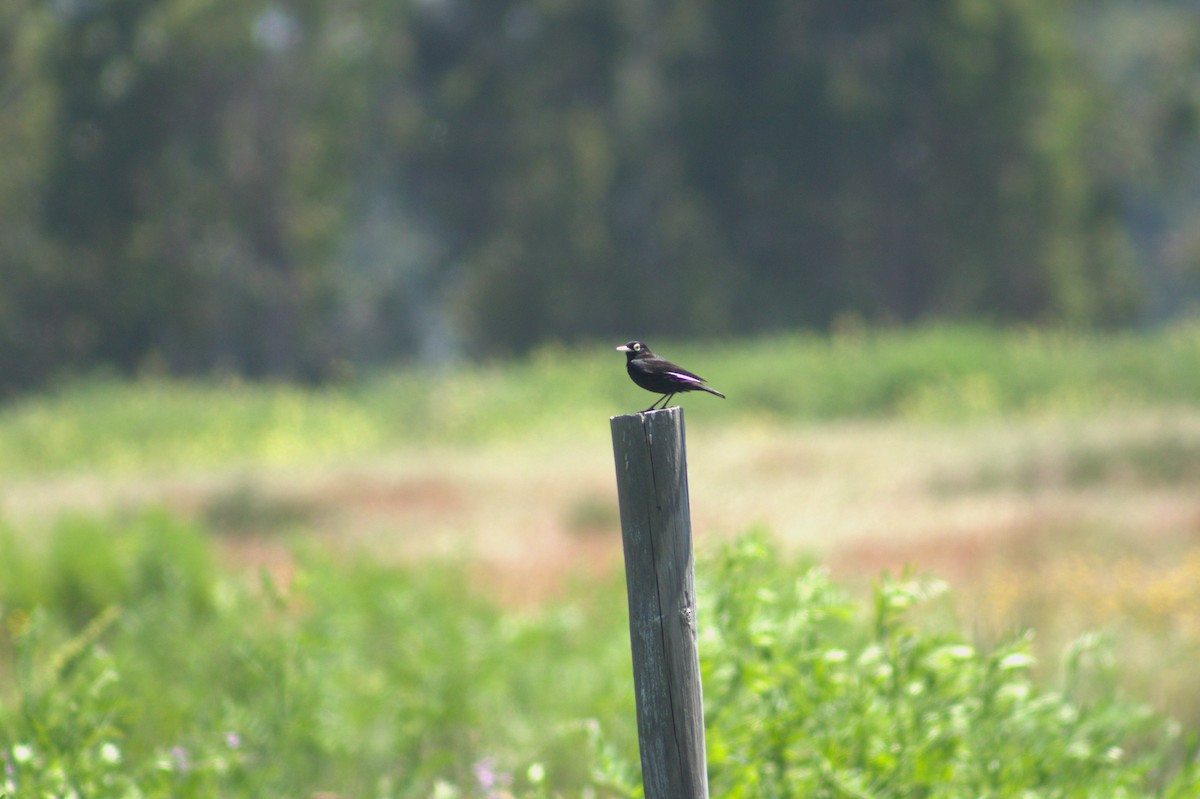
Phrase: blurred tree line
pixel 276 187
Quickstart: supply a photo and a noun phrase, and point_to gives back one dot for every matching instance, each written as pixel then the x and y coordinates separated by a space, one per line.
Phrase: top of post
pixel 646 416
pixel 665 423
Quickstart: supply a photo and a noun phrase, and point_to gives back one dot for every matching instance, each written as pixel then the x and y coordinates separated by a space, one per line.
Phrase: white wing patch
pixel 686 378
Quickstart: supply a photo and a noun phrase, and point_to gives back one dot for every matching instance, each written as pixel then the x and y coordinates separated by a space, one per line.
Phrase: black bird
pixel 660 375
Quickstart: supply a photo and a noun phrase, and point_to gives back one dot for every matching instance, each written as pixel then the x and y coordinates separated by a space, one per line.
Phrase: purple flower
pixel 233 740
pixel 488 778
pixel 180 759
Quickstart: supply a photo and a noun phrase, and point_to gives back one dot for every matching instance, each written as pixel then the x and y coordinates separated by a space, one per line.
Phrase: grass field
pixel 408 584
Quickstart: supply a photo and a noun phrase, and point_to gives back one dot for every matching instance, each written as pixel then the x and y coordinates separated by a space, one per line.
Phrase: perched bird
pixel 660 375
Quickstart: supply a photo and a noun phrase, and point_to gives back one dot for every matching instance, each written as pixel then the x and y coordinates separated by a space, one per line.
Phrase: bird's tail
pixel 712 391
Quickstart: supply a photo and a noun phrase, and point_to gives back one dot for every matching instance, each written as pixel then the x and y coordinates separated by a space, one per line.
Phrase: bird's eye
pixel 637 347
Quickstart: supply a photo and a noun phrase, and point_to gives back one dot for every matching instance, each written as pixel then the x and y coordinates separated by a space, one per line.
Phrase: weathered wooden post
pixel 656 530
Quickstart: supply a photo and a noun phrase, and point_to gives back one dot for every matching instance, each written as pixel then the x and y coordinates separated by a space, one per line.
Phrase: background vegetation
pixel 142 652
pixel 132 668
pixel 936 374
pixel 918 238
pixel 289 189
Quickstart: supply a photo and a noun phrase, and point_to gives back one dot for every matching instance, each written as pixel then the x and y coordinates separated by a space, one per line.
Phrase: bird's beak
pixel 622 348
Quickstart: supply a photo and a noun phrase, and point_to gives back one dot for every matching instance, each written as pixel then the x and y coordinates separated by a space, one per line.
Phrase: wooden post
pixel 656 530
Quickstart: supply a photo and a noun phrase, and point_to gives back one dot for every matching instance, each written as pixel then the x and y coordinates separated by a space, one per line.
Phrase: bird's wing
pixel 685 376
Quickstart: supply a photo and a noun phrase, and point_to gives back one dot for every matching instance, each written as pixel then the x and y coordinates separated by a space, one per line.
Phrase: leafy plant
pixel 808 696
pixel 366 679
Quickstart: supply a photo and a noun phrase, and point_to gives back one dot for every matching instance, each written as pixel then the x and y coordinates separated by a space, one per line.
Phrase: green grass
pixel 129 662
pixel 941 373
pixel 161 676
pixel 132 664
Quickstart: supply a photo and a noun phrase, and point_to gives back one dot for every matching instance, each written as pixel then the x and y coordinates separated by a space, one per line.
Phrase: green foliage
pixel 941 373
pixel 240 186
pixel 85 569
pixel 807 696
pixel 362 679
pixel 73 716
pixel 368 680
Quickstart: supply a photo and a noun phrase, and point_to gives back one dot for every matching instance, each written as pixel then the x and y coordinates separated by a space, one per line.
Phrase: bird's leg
pixel 660 399
pixel 664 399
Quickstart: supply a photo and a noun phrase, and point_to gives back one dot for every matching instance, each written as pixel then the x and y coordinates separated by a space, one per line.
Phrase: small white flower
pixel 110 753
pixel 835 656
pixel 444 790
pixel 1017 660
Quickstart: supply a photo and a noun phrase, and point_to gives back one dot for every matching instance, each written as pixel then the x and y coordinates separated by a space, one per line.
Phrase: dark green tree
pixel 277 188
pixel 901 161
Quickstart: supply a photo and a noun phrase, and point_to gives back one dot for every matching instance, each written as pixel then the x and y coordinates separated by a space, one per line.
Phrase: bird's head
pixel 634 349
